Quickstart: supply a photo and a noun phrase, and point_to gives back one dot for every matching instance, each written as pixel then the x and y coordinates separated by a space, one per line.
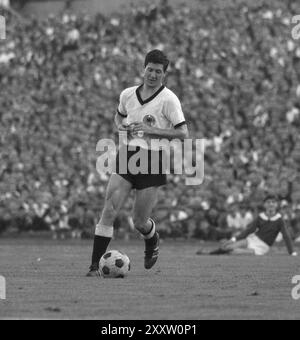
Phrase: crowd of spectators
pixel 236 71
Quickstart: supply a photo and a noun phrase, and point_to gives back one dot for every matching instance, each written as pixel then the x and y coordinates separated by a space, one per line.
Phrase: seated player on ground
pixel 260 235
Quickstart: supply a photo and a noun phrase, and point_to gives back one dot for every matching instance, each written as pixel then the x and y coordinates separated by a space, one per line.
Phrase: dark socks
pixel 151 241
pixel 100 246
pixel 220 252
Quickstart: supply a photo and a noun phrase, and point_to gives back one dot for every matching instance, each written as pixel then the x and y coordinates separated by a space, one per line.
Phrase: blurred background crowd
pixel 236 71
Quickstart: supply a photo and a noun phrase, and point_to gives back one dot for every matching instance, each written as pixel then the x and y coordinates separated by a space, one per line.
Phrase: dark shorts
pixel 146 178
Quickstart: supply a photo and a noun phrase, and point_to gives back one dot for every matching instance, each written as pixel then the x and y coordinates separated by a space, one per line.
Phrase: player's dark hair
pixel 271 197
pixel 157 57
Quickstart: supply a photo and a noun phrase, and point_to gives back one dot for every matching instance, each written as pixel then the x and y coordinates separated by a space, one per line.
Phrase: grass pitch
pixel 46 280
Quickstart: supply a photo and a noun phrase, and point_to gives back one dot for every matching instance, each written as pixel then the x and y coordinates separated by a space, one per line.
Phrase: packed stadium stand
pixel 235 69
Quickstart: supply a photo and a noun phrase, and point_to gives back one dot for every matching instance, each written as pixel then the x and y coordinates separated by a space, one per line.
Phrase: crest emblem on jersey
pixel 149 120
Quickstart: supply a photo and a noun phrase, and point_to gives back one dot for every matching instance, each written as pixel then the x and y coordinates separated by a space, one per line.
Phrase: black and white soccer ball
pixel 114 264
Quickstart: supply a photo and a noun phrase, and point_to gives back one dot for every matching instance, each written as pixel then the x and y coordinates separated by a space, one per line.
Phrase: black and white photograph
pixel 149 162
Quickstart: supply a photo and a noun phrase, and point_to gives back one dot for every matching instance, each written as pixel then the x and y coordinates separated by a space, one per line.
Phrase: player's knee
pixel 140 222
pixel 109 212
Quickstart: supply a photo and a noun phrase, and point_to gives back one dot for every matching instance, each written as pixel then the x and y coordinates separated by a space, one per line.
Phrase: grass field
pixel 46 280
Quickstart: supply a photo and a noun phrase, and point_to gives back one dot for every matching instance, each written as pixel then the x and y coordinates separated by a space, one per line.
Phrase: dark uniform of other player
pixel 149 111
pixel 261 234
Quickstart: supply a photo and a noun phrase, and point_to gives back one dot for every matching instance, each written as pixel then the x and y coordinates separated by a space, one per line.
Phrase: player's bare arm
pixel 177 133
pixel 288 240
pixel 250 230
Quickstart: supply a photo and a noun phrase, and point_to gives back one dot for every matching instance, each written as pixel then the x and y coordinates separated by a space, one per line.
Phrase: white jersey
pixel 162 110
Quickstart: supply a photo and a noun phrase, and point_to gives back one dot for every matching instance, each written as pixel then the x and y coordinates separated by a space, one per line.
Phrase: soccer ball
pixel 114 264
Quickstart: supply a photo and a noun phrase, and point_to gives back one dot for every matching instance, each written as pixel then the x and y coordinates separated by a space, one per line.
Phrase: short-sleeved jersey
pixel 162 110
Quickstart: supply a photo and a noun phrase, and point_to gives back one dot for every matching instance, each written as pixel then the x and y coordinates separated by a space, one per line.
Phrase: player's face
pixel 271 207
pixel 154 75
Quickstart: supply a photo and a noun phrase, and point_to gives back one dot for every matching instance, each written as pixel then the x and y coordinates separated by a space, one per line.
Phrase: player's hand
pixel 141 127
pixel 230 242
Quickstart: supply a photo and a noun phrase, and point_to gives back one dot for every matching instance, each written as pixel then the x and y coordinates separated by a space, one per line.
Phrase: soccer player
pixel 149 111
pixel 260 235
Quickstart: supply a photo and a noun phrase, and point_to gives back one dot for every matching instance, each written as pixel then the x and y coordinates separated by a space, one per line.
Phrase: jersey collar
pixel 142 102
pixel 264 217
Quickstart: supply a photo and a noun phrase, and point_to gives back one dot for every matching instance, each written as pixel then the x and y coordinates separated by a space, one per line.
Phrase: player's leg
pixel 145 201
pixel 256 245
pixel 243 251
pixel 228 248
pixel 117 192
pixel 242 244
